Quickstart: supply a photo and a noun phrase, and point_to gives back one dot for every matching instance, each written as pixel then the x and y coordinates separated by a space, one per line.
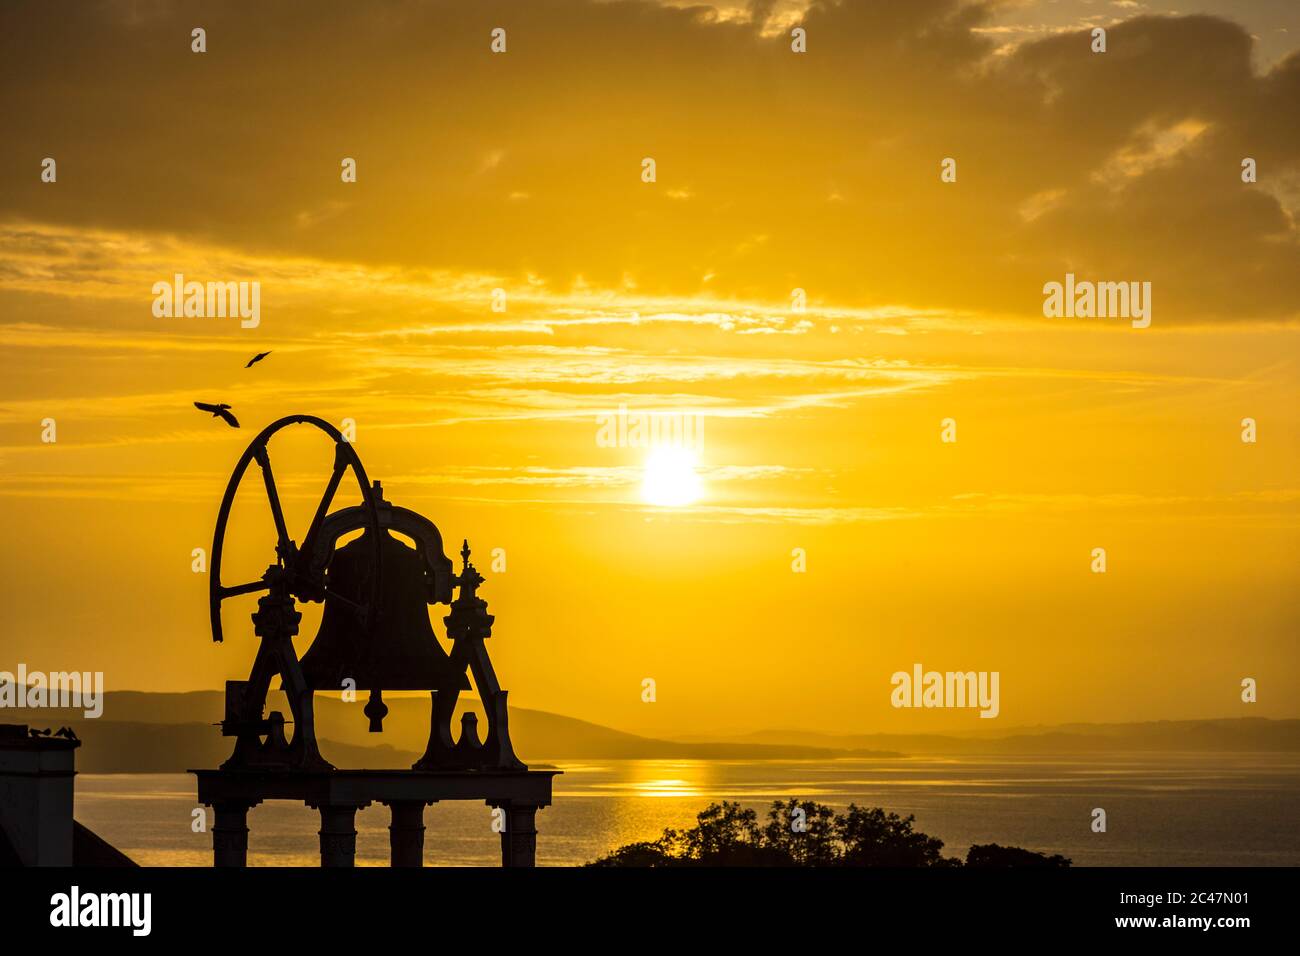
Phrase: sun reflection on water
pixel 667 778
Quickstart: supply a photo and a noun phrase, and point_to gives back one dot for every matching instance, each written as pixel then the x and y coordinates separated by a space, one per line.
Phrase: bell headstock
pixel 439 576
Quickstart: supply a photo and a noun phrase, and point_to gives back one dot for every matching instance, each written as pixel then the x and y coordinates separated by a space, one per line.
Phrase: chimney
pixel 36 796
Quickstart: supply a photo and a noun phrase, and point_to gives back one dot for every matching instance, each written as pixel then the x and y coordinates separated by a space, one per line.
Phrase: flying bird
pixel 218 411
pixel 256 358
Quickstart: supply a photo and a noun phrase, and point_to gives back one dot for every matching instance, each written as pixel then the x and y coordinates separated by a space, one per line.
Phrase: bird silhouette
pixel 218 411
pixel 256 358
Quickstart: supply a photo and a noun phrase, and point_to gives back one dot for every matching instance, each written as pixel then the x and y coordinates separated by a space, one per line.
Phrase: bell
pixel 400 652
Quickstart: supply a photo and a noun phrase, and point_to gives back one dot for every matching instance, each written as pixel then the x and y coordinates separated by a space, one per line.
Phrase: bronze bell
pixel 400 651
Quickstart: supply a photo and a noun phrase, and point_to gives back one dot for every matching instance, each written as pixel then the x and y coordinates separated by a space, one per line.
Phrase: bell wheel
pixel 292 570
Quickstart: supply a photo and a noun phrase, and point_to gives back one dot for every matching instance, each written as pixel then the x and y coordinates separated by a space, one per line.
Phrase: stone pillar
pixel 230 834
pixel 519 838
pixel 338 835
pixel 406 833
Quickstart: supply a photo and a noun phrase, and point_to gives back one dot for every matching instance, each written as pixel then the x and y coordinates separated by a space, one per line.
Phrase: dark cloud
pixel 775 170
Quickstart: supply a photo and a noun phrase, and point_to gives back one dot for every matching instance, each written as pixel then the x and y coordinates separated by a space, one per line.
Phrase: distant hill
pixel 143 732
pixel 1240 734
pixel 125 747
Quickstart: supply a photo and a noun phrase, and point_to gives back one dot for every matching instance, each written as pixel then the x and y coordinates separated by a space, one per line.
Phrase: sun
pixel 670 477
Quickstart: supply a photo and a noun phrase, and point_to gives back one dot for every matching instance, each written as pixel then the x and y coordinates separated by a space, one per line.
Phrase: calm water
pixel 1178 810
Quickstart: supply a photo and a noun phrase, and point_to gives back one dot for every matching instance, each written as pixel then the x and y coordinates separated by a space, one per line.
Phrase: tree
pixel 725 834
pixel 873 838
pixel 990 854
pixel 806 833
pixel 638 854
pixel 802 834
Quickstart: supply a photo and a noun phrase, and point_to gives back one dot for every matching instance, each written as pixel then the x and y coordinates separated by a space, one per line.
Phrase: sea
pixel 1192 809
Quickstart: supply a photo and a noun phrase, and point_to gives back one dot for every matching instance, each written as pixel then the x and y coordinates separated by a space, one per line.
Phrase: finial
pixel 464 553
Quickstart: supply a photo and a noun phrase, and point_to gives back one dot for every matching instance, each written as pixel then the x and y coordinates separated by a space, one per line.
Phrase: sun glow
pixel 670 477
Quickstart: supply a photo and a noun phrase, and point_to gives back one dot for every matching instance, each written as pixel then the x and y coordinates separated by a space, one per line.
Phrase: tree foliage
pixel 806 833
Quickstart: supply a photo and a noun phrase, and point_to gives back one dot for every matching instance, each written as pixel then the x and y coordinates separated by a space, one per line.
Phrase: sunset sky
pixel 775 171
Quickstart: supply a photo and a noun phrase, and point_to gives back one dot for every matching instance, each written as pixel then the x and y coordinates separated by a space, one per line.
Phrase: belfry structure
pixel 375 636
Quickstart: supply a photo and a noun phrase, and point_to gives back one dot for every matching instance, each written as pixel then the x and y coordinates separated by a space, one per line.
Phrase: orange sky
pixel 775 171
